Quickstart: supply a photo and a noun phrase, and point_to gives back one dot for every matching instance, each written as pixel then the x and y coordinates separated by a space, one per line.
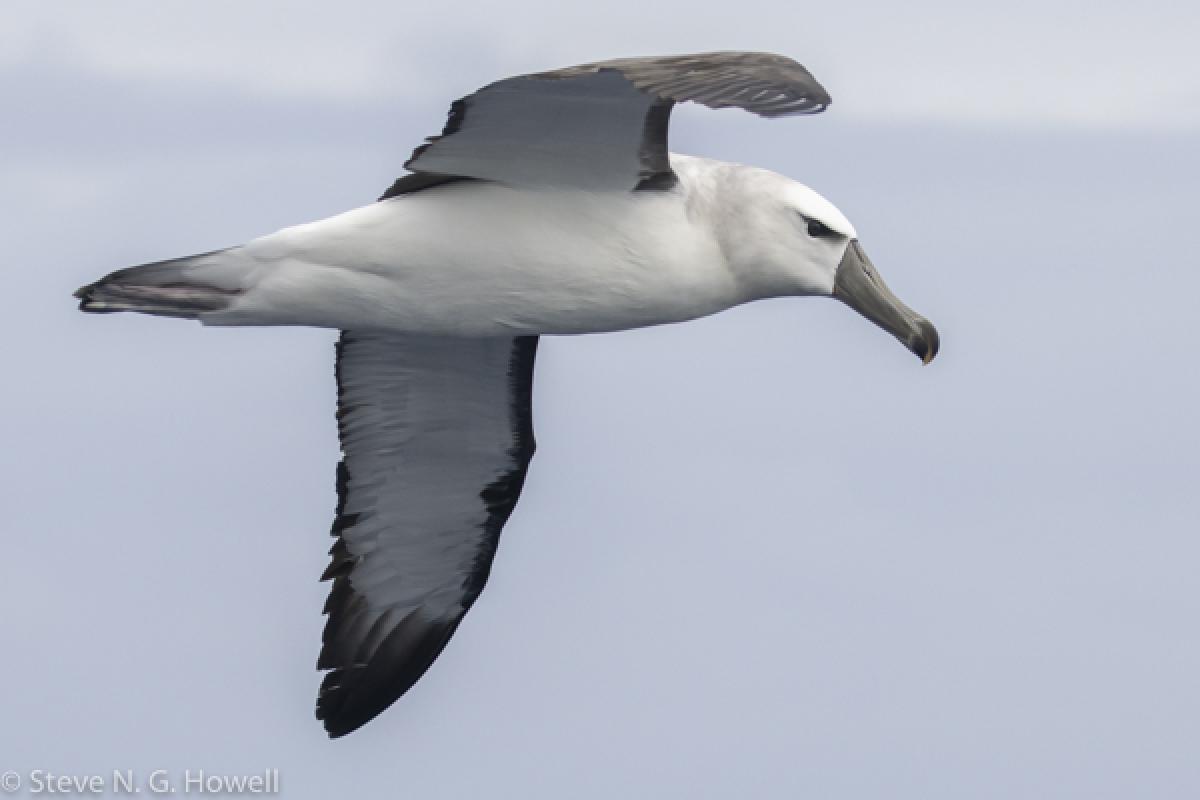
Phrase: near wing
pixel 436 435
pixel 602 125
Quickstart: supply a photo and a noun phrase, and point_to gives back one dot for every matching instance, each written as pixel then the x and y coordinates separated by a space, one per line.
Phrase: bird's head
pixel 799 243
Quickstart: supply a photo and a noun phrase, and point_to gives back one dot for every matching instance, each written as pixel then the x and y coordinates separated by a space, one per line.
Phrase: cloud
pixel 1060 63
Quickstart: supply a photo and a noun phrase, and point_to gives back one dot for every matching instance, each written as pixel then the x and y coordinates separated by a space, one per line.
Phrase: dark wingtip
pixel 337 727
pixel 353 695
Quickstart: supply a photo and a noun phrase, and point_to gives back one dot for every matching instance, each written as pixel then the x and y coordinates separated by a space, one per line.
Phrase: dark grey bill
pixel 859 286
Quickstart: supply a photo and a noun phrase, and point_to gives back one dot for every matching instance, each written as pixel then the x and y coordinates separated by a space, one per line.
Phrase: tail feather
pixel 176 288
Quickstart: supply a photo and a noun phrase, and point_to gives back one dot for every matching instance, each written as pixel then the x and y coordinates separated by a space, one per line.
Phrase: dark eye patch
pixel 818 229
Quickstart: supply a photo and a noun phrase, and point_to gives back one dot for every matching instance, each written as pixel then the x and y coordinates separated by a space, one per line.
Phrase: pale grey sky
pixel 764 554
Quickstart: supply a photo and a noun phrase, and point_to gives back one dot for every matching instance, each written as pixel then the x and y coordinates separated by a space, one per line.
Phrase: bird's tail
pixel 182 287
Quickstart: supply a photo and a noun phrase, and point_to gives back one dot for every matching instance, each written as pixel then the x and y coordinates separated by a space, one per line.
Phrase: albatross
pixel 549 204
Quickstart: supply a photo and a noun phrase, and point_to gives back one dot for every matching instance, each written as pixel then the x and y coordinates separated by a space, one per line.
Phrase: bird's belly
pixel 501 271
pixel 482 298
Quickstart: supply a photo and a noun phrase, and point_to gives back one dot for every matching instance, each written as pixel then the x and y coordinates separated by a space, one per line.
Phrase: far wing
pixel 601 125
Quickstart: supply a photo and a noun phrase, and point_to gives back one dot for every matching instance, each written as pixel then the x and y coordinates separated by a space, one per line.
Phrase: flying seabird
pixel 548 205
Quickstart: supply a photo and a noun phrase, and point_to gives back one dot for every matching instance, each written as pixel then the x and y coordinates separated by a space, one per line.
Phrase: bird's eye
pixel 818 229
